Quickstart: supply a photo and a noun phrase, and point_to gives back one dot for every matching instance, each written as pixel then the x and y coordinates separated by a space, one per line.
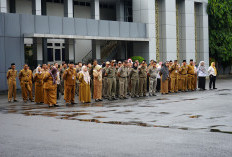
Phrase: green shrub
pixel 139 58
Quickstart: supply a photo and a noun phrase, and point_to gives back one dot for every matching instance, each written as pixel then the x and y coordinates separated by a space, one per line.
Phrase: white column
pixel 144 12
pixel 204 47
pixel 189 31
pixel 36 7
pixel 169 27
pixel 120 10
pixel 3 6
pixel 95 8
pixel 68 8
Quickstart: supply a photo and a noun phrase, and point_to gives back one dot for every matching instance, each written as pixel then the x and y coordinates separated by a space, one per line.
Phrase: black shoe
pixel 96 100
pixel 132 96
pixel 100 99
pixel 55 105
pixel 67 104
pixel 115 99
pixel 73 103
pixel 15 100
pixel 154 95
pixel 125 97
pixel 121 98
pixel 32 100
pixel 9 101
pixel 110 99
pixel 214 88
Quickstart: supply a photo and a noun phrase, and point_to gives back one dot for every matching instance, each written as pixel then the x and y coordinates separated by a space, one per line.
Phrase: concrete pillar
pixel 69 50
pixel 120 10
pixel 95 9
pixel 188 30
pixel 96 49
pixel 204 46
pixel 3 6
pixel 68 8
pixel 169 31
pixel 38 51
pixel 144 12
pixel 36 7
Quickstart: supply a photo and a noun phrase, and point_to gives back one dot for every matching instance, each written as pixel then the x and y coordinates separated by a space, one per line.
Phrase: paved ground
pixel 184 124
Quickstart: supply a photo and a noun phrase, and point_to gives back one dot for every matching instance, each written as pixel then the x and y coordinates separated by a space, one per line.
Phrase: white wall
pixel 82 47
pixel 82 12
pixel 23 6
pixel 55 9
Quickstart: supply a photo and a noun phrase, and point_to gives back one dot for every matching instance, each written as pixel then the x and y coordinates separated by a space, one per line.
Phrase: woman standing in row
pixel 39 91
pixel 134 75
pixel 212 75
pixel 97 82
pixel 50 87
pixel 202 72
pixel 84 89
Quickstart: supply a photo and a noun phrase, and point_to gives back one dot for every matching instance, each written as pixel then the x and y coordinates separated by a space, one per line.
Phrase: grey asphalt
pixel 184 124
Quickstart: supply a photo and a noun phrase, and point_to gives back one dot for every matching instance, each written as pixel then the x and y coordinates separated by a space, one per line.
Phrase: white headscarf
pixel 85 75
pixel 37 71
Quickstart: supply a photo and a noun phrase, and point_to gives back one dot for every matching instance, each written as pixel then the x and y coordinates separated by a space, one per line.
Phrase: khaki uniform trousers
pixel 184 82
pixel 152 85
pixel 70 93
pixel 105 87
pixel 122 87
pixel 191 82
pixel 26 90
pixel 134 87
pixel 11 90
pixel 174 84
pixel 142 86
pixel 164 86
pixel 112 87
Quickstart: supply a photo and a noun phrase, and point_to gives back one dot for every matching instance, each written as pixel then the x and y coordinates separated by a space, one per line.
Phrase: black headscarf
pixel 134 67
pixel 53 73
pixel 165 72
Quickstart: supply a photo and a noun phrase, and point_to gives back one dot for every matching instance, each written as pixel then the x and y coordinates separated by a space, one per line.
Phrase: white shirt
pixel 201 73
pixel 211 71
pixel 158 68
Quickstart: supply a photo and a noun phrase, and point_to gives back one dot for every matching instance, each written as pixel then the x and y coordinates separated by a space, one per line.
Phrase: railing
pixel 88 57
pixel 108 49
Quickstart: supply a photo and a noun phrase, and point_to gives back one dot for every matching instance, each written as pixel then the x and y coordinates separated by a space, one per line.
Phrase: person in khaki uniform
pixel 78 69
pixel 152 73
pixel 38 79
pixel 142 79
pixel 111 79
pixel 134 76
pixel 11 80
pixel 117 77
pixel 105 82
pixel 174 70
pixel 70 76
pixel 183 76
pixel 191 76
pixel 122 73
pixel 25 76
pixel 164 73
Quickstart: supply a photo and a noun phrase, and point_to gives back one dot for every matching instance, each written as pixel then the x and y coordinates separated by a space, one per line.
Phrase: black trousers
pixel 212 80
pixel 201 82
pixel 158 85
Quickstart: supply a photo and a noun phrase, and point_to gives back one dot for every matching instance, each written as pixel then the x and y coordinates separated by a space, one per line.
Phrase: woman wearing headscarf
pixel 39 91
pixel 212 75
pixel 84 89
pixel 202 72
pixel 134 75
pixel 164 73
pixel 50 87
pixel 97 83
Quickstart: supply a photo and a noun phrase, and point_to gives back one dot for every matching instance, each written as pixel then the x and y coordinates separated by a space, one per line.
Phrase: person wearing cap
pixel 105 82
pixel 152 73
pixel 174 70
pixel 191 76
pixel 70 76
pixel 97 80
pixel 183 76
pixel 123 73
pixel 143 79
pixel 11 80
pixel 111 78
pixel 25 76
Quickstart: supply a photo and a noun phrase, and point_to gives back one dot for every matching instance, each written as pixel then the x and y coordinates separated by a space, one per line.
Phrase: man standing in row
pixel 143 79
pixel 183 76
pixel 105 82
pixel 70 76
pixel 11 80
pixel 123 73
pixel 152 73
pixel 174 69
pixel 110 73
pixel 25 77
pixel 191 73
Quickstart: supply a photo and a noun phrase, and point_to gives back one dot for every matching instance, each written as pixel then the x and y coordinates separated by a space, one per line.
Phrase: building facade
pixel 48 31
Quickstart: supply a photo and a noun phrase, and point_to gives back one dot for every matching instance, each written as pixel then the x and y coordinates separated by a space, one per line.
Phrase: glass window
pixel 57 55
pixel 57 44
pixel 49 44
pixel 50 54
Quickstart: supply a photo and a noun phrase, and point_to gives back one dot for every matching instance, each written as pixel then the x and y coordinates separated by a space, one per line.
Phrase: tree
pixel 220 31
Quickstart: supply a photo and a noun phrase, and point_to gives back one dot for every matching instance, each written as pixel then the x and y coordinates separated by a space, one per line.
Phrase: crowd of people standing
pixel 110 80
